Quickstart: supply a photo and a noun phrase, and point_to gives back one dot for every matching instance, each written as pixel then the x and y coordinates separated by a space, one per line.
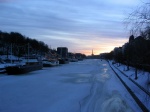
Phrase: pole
pixel 11 54
pixel 28 54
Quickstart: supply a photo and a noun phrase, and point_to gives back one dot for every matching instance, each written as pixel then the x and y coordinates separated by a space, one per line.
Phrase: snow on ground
pixel 143 77
pixel 84 86
pixel 143 80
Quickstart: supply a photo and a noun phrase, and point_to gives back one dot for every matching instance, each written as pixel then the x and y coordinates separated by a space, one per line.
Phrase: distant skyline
pixel 80 25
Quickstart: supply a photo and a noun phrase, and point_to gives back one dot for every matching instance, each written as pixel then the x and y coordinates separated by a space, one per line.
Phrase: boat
pixel 50 63
pixel 31 64
pixel 63 61
pixel 2 66
pixel 80 59
pixel 73 60
pixel 19 69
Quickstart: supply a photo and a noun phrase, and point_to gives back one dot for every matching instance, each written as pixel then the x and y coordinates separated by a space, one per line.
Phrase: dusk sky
pixel 80 25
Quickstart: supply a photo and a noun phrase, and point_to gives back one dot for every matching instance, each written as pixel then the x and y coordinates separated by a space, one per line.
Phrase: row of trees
pixel 136 52
pixel 19 45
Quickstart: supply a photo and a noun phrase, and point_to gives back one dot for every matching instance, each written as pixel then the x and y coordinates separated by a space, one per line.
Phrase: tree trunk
pixel 136 73
pixel 127 66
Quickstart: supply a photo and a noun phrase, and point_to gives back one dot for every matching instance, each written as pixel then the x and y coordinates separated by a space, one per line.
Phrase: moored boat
pixel 21 69
pixel 50 63
pixel 63 61
pixel 2 68
pixel 24 67
pixel 73 60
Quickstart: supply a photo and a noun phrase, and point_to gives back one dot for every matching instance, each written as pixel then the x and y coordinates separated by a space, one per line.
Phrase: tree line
pixel 18 44
pixel 136 52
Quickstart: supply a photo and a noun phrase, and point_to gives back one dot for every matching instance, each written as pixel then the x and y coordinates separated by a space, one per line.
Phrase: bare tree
pixel 139 19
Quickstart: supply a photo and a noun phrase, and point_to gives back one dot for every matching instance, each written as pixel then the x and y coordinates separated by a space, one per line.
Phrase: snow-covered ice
pixel 84 86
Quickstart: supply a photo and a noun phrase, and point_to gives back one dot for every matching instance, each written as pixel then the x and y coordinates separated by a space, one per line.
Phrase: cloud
pixel 5 1
pixel 74 23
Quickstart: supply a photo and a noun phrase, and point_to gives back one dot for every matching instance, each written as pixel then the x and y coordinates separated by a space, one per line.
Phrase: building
pixel 92 53
pixel 62 52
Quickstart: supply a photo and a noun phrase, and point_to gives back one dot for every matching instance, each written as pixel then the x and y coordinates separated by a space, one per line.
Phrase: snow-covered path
pixel 86 86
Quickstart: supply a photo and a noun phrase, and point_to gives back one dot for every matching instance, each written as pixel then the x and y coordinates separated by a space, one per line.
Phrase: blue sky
pixel 80 25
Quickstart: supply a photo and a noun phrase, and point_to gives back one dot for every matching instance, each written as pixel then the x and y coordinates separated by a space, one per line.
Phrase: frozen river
pixel 85 86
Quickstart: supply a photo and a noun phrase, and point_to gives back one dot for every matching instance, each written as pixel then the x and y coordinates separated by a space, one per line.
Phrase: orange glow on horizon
pixel 96 52
pixel 103 47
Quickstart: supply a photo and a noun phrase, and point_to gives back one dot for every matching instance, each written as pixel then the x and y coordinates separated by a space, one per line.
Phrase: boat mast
pixel 28 53
pixel 11 54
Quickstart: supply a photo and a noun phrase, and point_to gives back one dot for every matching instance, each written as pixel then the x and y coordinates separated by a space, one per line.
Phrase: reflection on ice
pixel 105 70
pixel 103 76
